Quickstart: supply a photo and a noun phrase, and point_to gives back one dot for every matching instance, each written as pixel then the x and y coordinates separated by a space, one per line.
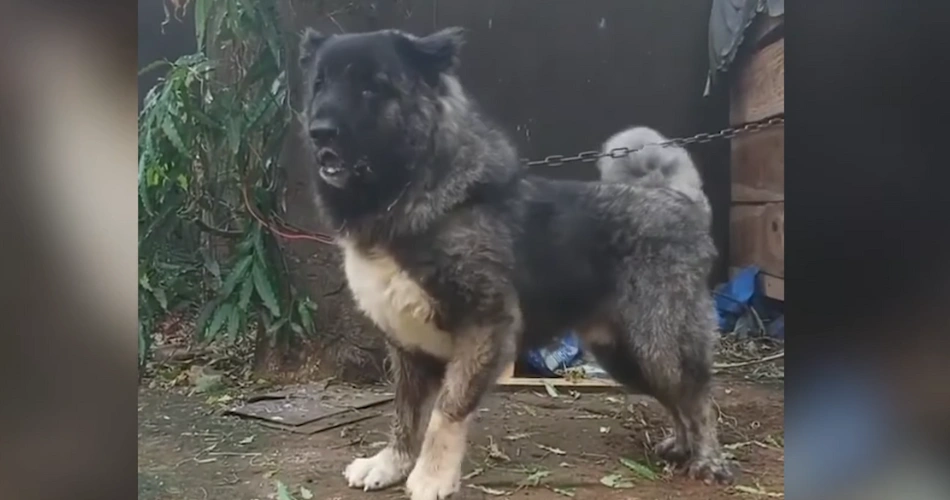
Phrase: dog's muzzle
pixel 331 168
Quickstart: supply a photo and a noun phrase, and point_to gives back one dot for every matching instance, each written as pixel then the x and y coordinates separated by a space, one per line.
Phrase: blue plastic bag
pixel 548 361
pixel 734 297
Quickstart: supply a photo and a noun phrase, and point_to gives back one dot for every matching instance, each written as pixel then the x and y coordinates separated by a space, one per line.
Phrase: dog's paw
pixel 384 469
pixel 672 451
pixel 711 470
pixel 427 482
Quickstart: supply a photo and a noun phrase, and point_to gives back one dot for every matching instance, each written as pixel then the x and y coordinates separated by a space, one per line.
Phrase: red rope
pixel 297 234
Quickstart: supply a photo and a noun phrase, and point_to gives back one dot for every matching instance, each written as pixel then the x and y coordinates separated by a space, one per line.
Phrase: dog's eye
pixel 318 81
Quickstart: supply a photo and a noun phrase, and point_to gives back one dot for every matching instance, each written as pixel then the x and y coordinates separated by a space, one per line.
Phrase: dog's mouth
pixel 331 167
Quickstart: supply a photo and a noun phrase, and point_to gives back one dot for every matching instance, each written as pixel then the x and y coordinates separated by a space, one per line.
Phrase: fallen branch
pixel 773 357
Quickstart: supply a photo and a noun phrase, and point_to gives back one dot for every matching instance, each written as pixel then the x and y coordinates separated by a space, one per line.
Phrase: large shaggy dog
pixel 462 259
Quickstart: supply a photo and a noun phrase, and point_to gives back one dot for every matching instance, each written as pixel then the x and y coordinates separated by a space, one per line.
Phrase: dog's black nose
pixel 323 130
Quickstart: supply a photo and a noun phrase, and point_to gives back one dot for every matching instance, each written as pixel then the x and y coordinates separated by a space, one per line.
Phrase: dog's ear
pixel 310 42
pixel 434 54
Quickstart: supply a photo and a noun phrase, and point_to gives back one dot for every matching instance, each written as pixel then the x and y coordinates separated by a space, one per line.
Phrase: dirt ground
pixel 524 445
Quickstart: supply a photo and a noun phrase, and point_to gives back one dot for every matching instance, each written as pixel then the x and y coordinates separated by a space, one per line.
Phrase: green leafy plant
pixel 210 138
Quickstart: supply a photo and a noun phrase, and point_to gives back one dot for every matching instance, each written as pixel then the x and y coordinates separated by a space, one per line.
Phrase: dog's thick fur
pixel 461 258
pixel 651 165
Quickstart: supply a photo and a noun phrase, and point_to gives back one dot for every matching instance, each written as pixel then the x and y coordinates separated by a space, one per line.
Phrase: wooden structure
pixel 510 379
pixel 757 212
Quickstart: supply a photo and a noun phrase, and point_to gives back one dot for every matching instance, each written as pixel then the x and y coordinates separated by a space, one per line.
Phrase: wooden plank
pixel 560 383
pixel 772 286
pixel 508 379
pixel 757 237
pixel 758 166
pixel 759 90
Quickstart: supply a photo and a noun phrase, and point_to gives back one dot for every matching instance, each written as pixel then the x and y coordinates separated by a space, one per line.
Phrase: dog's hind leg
pixel 659 342
pixel 416 376
pixel 693 399
pixel 480 355
pixel 609 345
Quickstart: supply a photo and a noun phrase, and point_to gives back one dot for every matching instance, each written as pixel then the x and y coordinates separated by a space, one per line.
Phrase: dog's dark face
pixel 368 102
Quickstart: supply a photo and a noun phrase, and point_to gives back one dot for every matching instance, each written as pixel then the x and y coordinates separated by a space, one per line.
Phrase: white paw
pixel 383 469
pixel 427 482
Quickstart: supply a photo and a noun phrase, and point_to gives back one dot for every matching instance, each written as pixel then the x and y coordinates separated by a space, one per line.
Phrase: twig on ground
pixel 234 454
pixel 766 359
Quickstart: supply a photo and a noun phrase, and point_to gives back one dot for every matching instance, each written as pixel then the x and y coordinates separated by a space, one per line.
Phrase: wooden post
pixel 757 215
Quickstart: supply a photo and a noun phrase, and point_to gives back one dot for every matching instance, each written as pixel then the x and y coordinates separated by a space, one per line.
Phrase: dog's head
pixel 368 101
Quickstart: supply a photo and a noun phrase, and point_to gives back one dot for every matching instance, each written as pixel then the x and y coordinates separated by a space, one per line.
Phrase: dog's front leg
pixel 416 376
pixel 479 355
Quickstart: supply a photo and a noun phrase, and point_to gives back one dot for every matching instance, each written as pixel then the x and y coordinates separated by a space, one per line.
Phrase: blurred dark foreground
pixel 868 403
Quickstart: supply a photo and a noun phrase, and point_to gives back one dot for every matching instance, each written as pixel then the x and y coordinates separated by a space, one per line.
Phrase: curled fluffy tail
pixel 652 166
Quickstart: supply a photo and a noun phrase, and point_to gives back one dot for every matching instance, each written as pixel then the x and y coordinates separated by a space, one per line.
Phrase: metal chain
pixel 700 138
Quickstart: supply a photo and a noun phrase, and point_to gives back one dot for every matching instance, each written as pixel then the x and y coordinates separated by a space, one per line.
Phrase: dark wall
pixel 563 75
pixel 156 42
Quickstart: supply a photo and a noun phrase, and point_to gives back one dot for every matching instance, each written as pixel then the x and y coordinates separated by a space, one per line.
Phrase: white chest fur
pixel 394 301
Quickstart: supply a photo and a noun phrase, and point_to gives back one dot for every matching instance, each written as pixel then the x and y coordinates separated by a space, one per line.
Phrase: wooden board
pixel 509 380
pixel 772 286
pixel 759 89
pixel 560 383
pixel 757 237
pixel 758 166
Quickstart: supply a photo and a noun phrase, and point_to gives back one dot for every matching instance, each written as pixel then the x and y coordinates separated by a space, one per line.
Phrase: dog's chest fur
pixel 394 301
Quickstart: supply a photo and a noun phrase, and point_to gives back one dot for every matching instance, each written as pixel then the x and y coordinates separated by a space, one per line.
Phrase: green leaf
pixel 234 323
pixel 244 247
pixel 201 21
pixel 219 15
pixel 259 244
pixel 616 481
pixel 143 178
pixel 639 469
pixel 159 294
pixel 283 493
pixel 233 128
pixel 204 119
pixel 144 282
pixel 265 291
pixel 211 264
pixel 145 340
pixel 236 274
pixel 277 325
pixel 153 65
pixel 218 320
pixel 247 287
pixel 534 479
pixel 297 329
pixel 204 316
pixel 306 318
pixel 172 133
